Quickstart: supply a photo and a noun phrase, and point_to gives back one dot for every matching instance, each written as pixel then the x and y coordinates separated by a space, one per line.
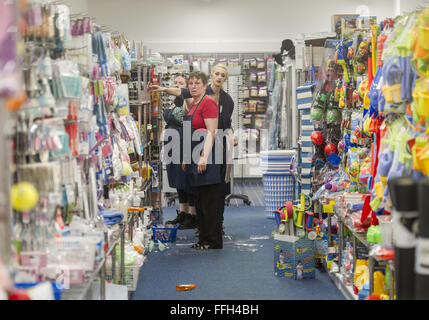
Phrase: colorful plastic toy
pixel 330 148
pixel 317 137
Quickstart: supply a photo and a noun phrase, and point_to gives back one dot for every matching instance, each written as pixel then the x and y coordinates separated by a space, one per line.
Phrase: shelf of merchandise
pixel 357 236
pixel 117 237
pixel 147 125
pixel 335 277
pixel 5 176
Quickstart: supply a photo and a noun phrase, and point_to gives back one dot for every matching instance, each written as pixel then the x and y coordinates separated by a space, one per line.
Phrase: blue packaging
pixel 294 258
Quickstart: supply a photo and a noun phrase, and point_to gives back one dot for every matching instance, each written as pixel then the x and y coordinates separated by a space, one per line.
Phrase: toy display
pixel 370 113
pixel 73 142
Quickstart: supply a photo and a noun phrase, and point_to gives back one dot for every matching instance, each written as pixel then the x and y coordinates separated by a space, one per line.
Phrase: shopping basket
pixel 164 234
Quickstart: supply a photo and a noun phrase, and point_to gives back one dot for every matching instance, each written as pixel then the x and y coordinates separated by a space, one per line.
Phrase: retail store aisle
pixel 242 270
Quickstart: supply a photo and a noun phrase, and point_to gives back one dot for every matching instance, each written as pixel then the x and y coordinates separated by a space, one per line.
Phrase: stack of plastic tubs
pixel 277 179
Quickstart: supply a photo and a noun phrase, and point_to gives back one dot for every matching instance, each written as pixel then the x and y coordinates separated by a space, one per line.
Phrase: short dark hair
pixel 199 75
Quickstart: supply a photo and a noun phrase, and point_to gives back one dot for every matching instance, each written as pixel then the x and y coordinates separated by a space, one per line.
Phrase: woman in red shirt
pixel 203 172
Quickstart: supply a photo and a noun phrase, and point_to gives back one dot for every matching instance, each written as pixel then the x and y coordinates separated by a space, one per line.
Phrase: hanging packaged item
pixel 262 92
pixel 252 106
pixel 67 82
pixel 254 91
pixel 260 63
pixel 252 63
pixel 246 92
pixel 245 107
pixel 253 77
pixel 261 106
pixel 262 77
pixel 10 75
pixel 122 100
pixel 245 64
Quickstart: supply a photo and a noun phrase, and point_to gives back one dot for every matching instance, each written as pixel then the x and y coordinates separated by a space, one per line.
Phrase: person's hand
pixel 156 88
pixel 202 165
pixel 183 166
pixel 235 142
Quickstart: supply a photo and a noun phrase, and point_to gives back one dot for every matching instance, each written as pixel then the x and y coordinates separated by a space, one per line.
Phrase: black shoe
pixel 208 247
pixel 189 222
pixel 179 219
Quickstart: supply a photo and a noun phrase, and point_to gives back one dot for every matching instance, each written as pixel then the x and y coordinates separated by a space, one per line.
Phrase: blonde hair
pixel 221 66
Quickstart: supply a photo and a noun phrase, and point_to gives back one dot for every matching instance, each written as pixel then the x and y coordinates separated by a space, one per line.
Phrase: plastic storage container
pixel 277 179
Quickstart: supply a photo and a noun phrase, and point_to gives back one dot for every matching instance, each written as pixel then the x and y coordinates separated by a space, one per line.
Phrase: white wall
pixel 410 5
pixel 225 25
pixel 77 6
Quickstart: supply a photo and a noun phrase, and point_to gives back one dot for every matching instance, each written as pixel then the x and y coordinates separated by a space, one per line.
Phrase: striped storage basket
pixel 277 179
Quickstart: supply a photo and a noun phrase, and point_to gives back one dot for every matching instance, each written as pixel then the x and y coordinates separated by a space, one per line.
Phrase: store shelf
pixel 346 290
pixel 82 291
pixel 361 236
pixel 77 292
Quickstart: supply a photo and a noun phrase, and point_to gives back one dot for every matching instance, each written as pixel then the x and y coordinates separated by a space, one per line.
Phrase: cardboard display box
pixel 337 18
pixel 294 257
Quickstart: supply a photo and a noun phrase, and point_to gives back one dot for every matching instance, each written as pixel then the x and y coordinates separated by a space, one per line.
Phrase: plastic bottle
pixel 379 282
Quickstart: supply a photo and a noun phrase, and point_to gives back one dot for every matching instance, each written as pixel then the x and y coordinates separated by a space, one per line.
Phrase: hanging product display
pixel 369 139
pixel 10 73
pixel 74 139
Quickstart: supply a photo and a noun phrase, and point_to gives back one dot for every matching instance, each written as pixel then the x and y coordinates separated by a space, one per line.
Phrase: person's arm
pixel 171 91
pixel 211 125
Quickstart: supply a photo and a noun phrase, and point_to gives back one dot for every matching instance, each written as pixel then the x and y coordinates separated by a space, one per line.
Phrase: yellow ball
pixel 24 196
pixel 126 168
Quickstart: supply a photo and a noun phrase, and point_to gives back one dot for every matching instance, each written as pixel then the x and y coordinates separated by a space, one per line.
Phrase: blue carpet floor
pixel 242 270
pixel 254 189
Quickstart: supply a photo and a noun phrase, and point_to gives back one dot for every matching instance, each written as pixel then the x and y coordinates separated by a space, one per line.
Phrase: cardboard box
pixel 321 244
pixel 337 18
pixel 294 257
pixel 350 24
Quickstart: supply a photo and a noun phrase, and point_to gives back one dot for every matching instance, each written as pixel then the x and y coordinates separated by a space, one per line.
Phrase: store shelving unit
pixel 357 237
pixel 141 108
pixel 5 209
pixel 112 240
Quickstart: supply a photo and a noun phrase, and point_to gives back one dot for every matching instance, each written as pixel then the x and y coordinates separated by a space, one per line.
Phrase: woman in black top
pixel 186 215
pixel 215 90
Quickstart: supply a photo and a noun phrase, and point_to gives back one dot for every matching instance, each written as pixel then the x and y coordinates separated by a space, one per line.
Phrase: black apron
pixel 212 175
pixel 176 176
